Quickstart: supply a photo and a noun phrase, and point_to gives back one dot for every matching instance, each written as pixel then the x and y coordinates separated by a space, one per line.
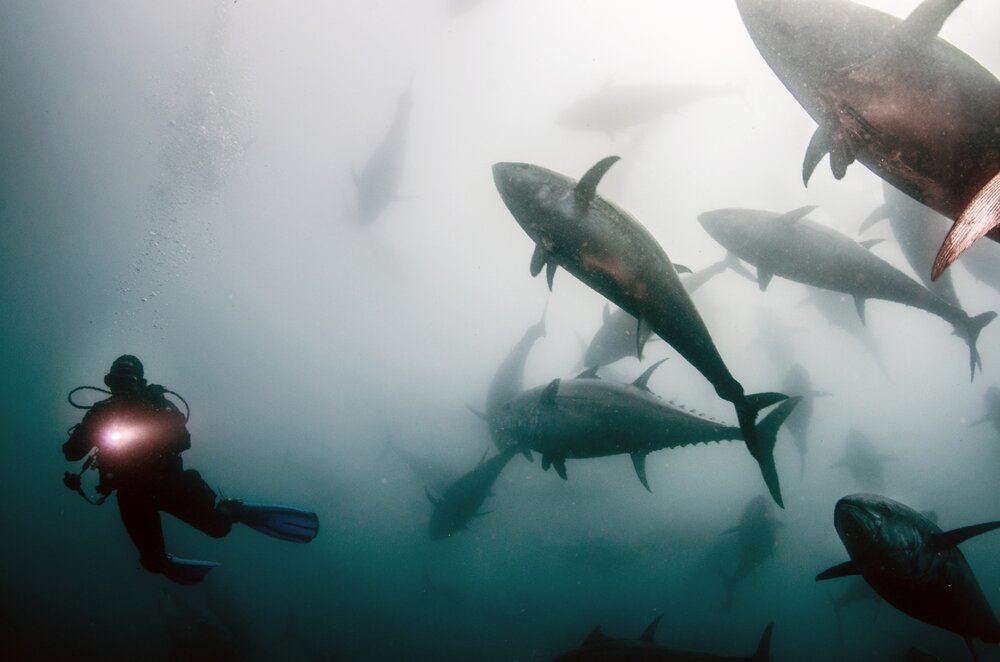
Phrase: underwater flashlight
pixel 119 437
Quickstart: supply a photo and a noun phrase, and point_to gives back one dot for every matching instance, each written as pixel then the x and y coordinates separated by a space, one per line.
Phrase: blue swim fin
pixel 187 571
pixel 284 522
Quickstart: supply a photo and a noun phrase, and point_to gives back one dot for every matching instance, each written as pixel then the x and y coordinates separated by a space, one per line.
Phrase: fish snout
pixel 855 520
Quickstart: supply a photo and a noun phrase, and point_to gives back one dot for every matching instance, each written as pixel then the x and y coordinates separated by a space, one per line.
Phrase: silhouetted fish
pixel 792 246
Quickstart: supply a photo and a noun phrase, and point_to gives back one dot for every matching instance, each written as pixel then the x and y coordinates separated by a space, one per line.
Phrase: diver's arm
pixel 81 440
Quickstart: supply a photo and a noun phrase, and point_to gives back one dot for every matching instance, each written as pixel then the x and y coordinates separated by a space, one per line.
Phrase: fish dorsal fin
pixel 642 380
pixel 931 515
pixel 957 536
pixel 925 22
pixel 595 637
pixel 681 269
pixel 589 373
pixel 868 243
pixel 649 634
pixel 796 214
pixel 538 260
pixel 880 214
pixel 845 569
pixel 639 462
pixel 763 651
pixel 549 394
pixel 586 188
pixel 607 312
pixel 430 497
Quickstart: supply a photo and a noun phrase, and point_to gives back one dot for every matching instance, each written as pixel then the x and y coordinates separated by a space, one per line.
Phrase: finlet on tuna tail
pixel 980 217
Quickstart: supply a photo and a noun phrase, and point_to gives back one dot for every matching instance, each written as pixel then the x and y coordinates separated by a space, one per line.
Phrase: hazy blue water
pixel 175 182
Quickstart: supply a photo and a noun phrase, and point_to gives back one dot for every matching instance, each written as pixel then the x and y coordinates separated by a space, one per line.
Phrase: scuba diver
pixel 135 439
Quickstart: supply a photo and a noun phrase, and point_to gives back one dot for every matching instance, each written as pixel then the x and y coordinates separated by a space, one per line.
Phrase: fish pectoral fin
pixel 845 569
pixel 954 537
pixel 538 260
pixel 586 188
pixel 980 217
pixel 732 529
pixel 639 462
pixel 819 146
pixel 763 278
pixel 649 634
pixel 859 304
pixel 485 512
pixel 607 312
pixel 832 140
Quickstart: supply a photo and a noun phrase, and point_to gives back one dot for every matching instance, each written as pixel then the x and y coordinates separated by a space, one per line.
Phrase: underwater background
pixel 176 183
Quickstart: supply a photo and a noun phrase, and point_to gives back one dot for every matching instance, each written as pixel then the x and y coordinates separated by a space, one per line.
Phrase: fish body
pixel 914 109
pixel 914 565
pixel 612 253
pixel 462 499
pixel 806 252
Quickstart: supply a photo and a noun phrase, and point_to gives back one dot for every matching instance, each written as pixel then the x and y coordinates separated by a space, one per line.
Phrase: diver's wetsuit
pixel 139 438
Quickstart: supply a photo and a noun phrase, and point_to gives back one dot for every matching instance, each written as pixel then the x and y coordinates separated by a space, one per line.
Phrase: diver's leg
pixel 142 522
pixel 192 501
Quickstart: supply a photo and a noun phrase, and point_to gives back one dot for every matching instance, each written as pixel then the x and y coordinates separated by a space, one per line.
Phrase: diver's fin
pixel 187 571
pixel 639 462
pixel 763 651
pixel 879 214
pixel 765 436
pixel 845 569
pixel 538 260
pixel 586 188
pixel 957 536
pixel 649 634
pixel 284 522
pixel 980 217
pixel 642 380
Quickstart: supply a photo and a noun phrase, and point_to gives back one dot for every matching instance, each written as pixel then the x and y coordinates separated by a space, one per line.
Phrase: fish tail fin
pixel 970 332
pixel 763 652
pixel 760 440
